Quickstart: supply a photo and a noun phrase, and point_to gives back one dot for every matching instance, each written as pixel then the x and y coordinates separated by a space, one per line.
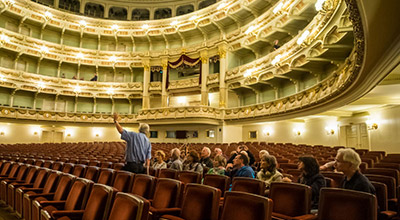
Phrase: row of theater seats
pixel 40 193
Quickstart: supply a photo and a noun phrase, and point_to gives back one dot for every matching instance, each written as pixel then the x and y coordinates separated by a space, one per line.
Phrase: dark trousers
pixel 134 167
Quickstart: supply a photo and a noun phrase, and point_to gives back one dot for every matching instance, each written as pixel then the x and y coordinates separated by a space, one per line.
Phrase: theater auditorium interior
pixel 255 92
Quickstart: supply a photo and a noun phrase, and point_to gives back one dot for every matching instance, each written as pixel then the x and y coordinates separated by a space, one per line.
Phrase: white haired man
pixel 138 147
pixel 348 162
pixel 205 158
pixel 175 161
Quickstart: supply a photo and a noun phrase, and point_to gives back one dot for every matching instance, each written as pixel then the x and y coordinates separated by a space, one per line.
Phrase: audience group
pixel 242 163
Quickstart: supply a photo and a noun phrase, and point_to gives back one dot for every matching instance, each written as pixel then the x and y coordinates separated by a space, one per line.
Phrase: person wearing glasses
pixel 348 162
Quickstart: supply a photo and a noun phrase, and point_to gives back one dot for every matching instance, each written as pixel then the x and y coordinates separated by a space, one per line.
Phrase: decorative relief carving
pixel 185 83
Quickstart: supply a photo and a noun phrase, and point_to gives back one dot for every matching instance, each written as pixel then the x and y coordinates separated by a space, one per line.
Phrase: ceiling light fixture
pixel 82 23
pixel 44 49
pixel 145 26
pixel 4 39
pixel 77 89
pixel 48 15
pixel 174 23
pixel 278 8
pixel 222 5
pixel 115 27
pixel 194 17
pixel 303 37
pixel 250 29
pixel 41 85
pixel 113 59
pixel 110 91
pixel 319 5
pixel 276 59
pixel 2 78
pixel 79 55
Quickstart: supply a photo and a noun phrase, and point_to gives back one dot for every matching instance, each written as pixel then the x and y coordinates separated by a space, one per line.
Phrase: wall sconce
pixel 371 125
pixel 267 132
pixel 297 132
pixel 68 135
pixel 329 131
pixel 2 133
pixel 35 133
pixel 97 135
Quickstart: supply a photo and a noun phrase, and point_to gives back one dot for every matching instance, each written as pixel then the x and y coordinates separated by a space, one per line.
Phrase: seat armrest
pixel 45 195
pixel 306 217
pixel 166 211
pixel 17 181
pixel 72 214
pixel 22 184
pixel 27 189
pixel 57 204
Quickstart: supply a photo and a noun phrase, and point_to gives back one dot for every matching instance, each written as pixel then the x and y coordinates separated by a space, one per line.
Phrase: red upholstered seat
pixel 68 168
pixel 200 202
pixel 123 181
pixel 92 173
pixel 128 206
pixel 391 188
pixel 76 199
pixel 293 200
pixel 97 206
pixel 337 178
pixel 217 181
pixel 381 196
pixel 249 185
pixel 166 196
pixel 23 201
pixel 143 185
pixel 340 204
pixel 384 172
pixel 168 173
pixel 189 177
pixel 61 193
pixel 19 176
pixel 106 176
pixel 246 206
pixel 79 170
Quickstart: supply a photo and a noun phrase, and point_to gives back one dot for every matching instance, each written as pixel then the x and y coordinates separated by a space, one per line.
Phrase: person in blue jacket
pixel 240 167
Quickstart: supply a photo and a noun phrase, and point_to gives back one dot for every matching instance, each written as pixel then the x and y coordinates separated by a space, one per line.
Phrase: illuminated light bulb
pixel 11 2
pixel 83 23
pixel 278 8
pixel 319 4
pixel 194 17
pixel 303 37
pixel 44 49
pixel 79 55
pixel 48 14
pixel 276 59
pixel 250 29
pixel 174 23
pixel 41 85
pixel 110 91
pixel 113 59
pixel 248 73
pixel 222 5
pixel 145 26
pixel 115 27
pixel 182 100
pixel 4 38
pixel 77 89
pixel 2 78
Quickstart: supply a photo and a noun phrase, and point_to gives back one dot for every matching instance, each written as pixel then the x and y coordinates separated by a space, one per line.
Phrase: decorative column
pixel 146 82
pixel 204 75
pixel 222 72
pixel 164 93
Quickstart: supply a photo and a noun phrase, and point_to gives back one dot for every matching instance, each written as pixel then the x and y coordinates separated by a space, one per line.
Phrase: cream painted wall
pixel 312 132
pixel 232 133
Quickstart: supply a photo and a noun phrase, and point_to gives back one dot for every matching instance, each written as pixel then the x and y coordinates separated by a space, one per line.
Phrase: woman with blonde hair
pixel 219 165
pixel 160 164
pixel 268 172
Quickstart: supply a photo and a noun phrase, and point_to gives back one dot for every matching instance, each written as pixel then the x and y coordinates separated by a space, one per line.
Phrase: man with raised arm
pixel 138 147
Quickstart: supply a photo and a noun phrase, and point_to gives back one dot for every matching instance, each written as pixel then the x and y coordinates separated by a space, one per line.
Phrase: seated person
pixel 348 162
pixel 268 172
pixel 175 161
pixel 160 163
pixel 219 165
pixel 257 165
pixel 94 77
pixel 240 167
pixel 310 176
pixel 239 149
pixel 193 162
pixel 205 158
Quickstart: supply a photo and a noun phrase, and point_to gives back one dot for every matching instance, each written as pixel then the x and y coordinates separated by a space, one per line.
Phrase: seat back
pixel 39 162
pixel 6 167
pixel 58 165
pixel 287 166
pixel 339 204
pixel 22 171
pixel 167 193
pixel 99 202
pixel 92 173
pixel 68 168
pixel 337 178
pixel 189 177
pixel 294 198
pixel 63 186
pixel 384 172
pixel 106 176
pixel 388 165
pixel 200 202
pixel 168 173
pixel 78 194
pixel 381 195
pixel 14 170
pixel 48 164
pixel 40 174
pixel 390 183
pixel 217 181
pixel 51 182
pixel 143 185
pixel 249 185
pixel 128 206
pixel 123 180
pixel 118 166
pixel 295 174
pixel 79 170
pixel 246 206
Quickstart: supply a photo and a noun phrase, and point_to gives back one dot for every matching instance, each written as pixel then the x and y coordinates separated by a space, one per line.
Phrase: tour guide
pixel 138 147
